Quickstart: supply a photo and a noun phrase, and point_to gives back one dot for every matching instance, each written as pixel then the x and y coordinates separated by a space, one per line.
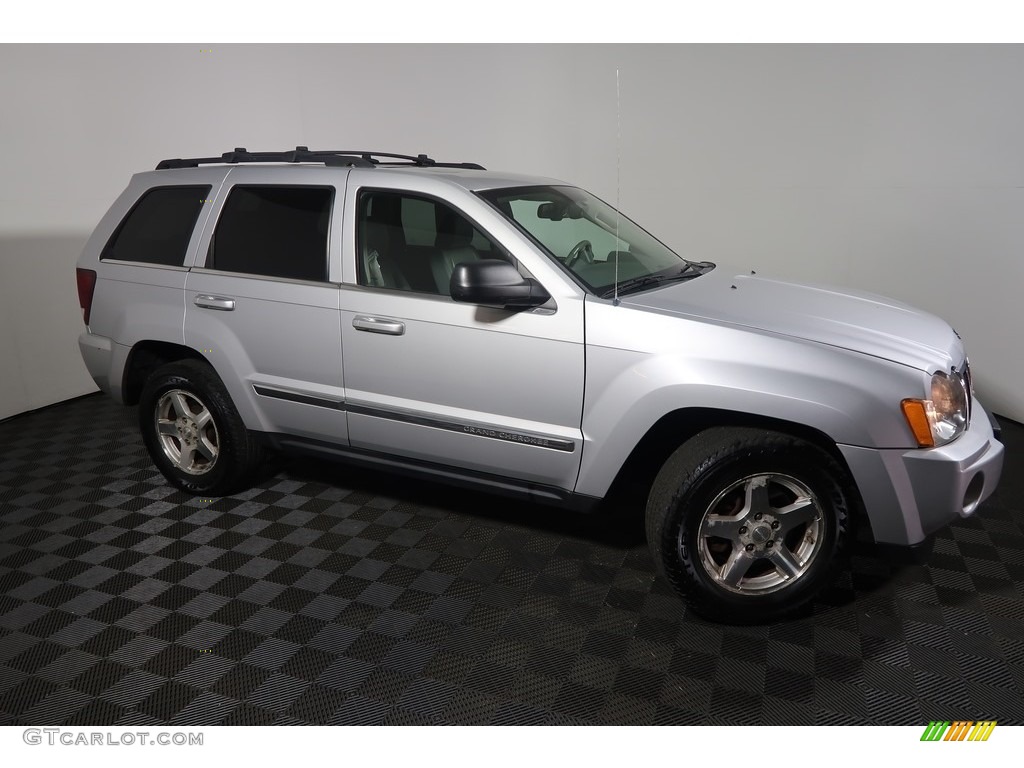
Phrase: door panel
pixel 471 387
pixel 278 351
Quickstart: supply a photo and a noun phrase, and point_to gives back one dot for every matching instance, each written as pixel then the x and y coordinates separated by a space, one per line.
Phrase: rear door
pixel 261 305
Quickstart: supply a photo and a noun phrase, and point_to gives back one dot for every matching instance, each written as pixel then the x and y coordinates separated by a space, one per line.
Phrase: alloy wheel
pixel 187 432
pixel 761 534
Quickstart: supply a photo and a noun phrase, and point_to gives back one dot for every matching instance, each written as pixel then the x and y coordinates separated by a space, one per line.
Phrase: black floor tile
pixel 329 595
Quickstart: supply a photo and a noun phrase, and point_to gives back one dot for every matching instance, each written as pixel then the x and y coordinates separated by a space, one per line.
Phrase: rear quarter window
pixel 159 226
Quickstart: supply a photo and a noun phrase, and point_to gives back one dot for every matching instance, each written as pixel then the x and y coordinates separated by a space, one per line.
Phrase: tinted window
pixel 412 243
pixel 273 231
pixel 157 229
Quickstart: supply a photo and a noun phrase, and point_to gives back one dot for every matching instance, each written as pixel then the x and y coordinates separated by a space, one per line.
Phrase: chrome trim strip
pixel 148 264
pixel 253 276
pixel 477 430
pixel 296 397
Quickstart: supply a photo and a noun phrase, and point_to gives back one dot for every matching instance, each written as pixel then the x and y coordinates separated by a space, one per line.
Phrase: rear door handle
pixel 215 302
pixel 378 325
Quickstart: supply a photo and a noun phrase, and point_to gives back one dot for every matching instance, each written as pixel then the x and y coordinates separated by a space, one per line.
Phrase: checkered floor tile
pixel 334 595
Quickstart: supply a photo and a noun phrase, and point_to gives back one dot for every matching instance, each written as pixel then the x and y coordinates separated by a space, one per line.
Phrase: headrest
pixel 376 236
pixel 453 231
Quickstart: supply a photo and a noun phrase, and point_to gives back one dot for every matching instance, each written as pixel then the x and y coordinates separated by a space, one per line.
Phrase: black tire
pixel 712 485
pixel 234 456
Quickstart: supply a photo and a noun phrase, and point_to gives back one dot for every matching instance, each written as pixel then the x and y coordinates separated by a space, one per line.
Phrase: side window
pixel 411 243
pixel 158 227
pixel 273 231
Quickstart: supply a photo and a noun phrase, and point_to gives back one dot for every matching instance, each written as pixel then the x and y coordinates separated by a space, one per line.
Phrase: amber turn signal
pixel 916 414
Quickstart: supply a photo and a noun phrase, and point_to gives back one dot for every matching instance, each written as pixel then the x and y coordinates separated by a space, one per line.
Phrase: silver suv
pixel 517 334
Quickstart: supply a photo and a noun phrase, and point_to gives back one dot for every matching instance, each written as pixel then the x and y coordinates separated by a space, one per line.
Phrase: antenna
pixel 618 162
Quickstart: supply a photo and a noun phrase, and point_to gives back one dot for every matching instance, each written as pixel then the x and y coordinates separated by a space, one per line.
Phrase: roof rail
pixel 331 157
pixel 391 158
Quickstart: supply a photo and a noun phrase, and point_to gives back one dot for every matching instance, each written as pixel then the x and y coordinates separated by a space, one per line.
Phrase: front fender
pixel 641 367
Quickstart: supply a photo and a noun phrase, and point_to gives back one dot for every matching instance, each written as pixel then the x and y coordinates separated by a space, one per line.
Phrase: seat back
pixel 382 241
pixel 454 245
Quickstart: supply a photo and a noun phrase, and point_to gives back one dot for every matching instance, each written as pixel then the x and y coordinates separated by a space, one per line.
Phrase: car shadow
pixel 615 522
pixel 618 522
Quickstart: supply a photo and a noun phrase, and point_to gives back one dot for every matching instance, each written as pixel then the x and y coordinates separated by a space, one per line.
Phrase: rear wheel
pixel 748 525
pixel 193 431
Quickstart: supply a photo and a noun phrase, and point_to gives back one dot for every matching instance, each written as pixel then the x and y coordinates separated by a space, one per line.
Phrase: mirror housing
pixel 559 210
pixel 495 283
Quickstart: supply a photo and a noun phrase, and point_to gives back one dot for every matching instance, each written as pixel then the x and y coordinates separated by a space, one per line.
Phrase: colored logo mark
pixel 958 730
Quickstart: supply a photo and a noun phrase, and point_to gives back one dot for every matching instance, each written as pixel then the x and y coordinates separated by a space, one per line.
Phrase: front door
pixel 481 389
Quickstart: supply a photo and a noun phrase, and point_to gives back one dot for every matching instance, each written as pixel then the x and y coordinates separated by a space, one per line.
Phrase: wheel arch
pixel 677 427
pixel 144 358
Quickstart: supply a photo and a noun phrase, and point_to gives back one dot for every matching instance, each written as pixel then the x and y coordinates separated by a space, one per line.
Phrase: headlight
pixel 943 417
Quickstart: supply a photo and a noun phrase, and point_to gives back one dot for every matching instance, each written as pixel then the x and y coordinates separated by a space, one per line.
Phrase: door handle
pixel 215 302
pixel 378 325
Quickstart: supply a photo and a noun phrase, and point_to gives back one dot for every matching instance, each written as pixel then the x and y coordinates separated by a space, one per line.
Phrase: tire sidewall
pixel 681 557
pixel 193 381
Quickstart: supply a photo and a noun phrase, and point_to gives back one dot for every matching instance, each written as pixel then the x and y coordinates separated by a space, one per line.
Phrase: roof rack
pixel 332 157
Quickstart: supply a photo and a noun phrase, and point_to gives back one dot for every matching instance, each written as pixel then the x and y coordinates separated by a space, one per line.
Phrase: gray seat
pixel 381 244
pixel 453 246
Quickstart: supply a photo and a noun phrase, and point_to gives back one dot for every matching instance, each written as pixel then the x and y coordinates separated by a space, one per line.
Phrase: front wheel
pixel 193 431
pixel 747 524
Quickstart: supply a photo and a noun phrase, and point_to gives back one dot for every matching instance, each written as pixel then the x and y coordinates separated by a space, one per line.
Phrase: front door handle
pixel 215 302
pixel 378 325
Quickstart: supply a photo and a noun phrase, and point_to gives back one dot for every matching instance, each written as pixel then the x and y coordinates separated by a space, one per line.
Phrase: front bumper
pixel 910 494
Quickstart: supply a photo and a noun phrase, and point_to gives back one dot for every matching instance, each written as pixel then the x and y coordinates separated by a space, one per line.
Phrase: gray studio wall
pixel 895 169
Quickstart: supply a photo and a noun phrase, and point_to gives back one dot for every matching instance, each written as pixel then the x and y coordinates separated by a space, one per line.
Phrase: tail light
pixel 86 285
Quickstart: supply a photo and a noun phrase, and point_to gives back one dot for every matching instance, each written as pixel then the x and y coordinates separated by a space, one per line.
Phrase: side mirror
pixel 494 282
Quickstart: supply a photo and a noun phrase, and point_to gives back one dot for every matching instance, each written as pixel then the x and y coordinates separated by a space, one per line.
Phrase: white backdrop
pixel 898 169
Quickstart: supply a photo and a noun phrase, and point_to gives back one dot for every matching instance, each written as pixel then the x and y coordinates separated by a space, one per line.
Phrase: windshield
pixel 586 234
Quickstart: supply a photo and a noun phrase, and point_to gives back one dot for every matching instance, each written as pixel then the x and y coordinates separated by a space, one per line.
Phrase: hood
pixel 857 321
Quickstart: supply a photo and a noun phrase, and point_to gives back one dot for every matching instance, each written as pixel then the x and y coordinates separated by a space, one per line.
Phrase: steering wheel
pixel 581 249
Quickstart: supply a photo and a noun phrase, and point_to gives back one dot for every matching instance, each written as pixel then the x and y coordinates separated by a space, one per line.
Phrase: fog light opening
pixel 973 493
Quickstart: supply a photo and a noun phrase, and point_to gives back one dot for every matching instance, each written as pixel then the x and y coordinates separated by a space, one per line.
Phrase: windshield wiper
pixel 691 270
